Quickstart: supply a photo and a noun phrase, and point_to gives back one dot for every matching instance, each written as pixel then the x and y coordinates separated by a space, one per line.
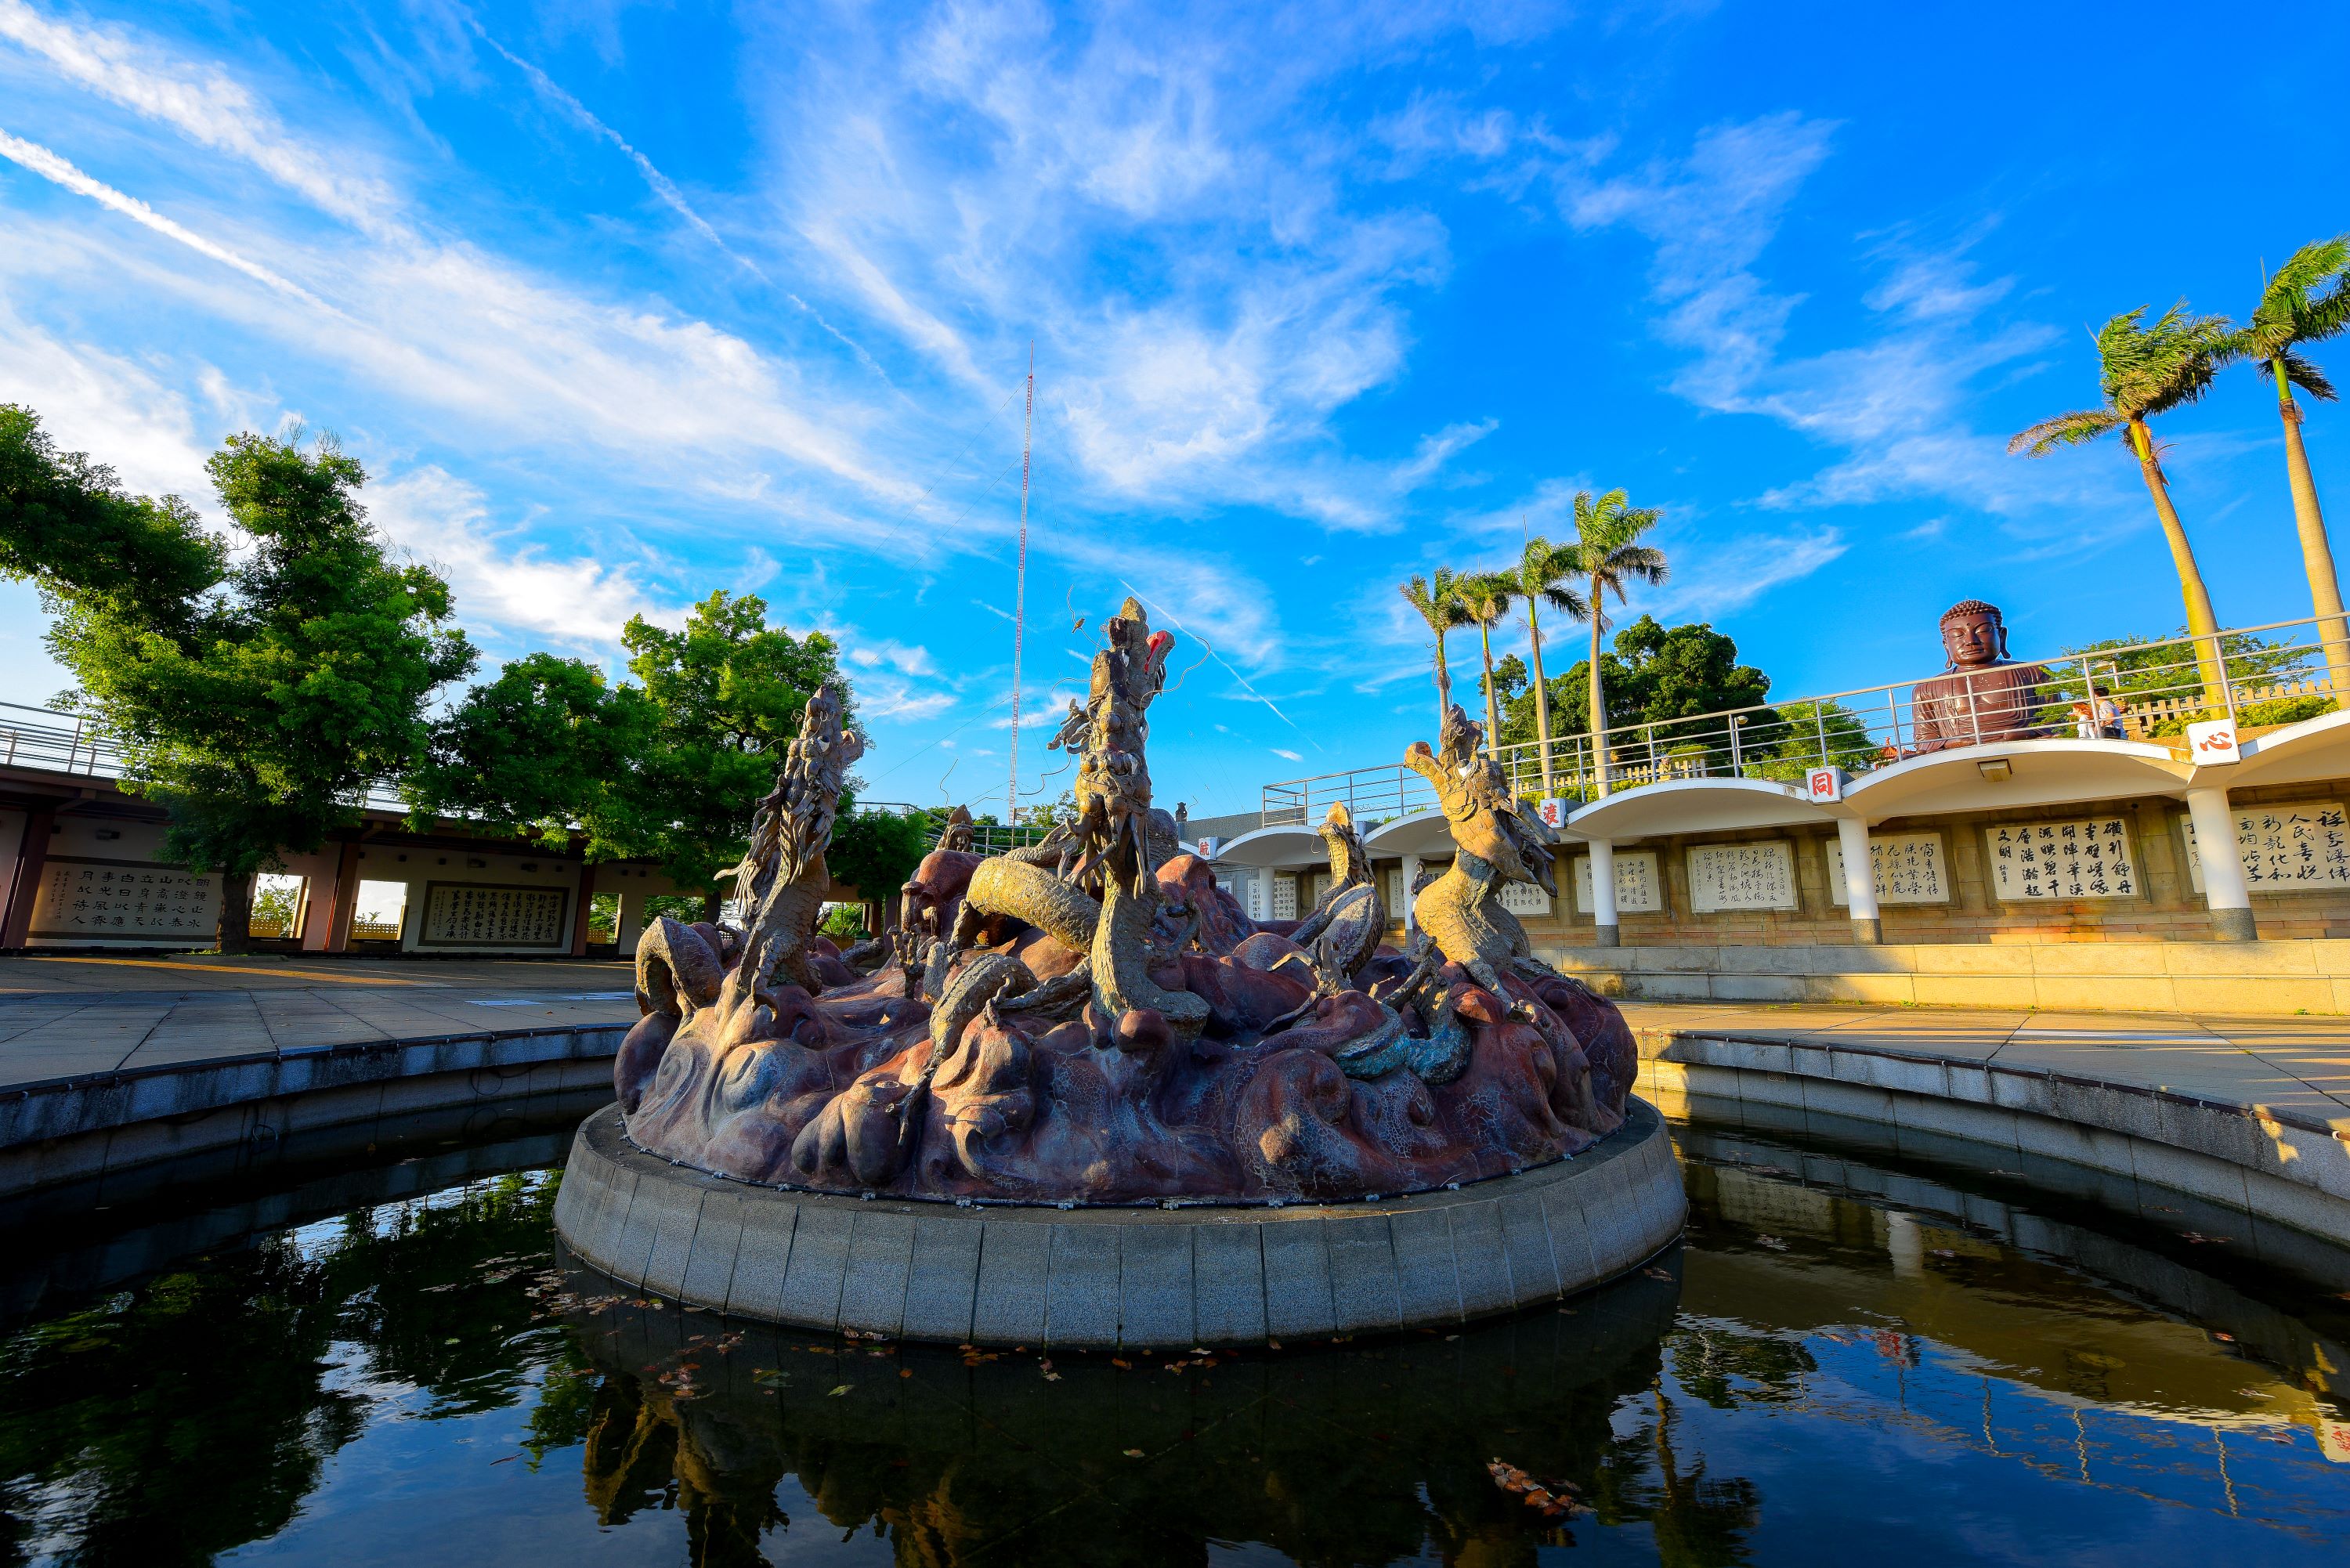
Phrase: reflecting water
pixel 1847 1363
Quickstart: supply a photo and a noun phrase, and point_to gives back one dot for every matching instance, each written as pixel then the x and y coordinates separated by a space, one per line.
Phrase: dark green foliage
pixel 875 851
pixel 1809 734
pixel 2144 667
pixel 843 924
pixel 722 700
pixel 1657 674
pixel 256 714
pixel 543 746
pixel 68 524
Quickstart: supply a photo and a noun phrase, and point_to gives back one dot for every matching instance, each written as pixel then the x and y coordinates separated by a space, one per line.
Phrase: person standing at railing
pixel 2108 714
pixel 1984 697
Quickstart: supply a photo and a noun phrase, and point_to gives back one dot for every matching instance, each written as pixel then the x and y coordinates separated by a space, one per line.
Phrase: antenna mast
pixel 1020 597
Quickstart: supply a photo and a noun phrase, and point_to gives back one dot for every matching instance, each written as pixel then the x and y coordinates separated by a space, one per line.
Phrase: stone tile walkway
pixel 2283 1064
pixel 64 1016
pixel 61 1017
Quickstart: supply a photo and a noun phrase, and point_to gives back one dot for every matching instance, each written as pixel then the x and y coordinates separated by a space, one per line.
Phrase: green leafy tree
pixel 1485 600
pixel 543 748
pixel 1542 574
pixel 1437 597
pixel 66 524
pixel 2149 668
pixel 875 852
pixel 1656 680
pixel 1809 734
pixel 725 694
pixel 2307 301
pixel 1607 555
pixel 2143 371
pixel 257 702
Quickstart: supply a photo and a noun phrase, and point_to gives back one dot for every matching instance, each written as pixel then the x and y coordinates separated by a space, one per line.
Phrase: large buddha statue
pixel 1984 697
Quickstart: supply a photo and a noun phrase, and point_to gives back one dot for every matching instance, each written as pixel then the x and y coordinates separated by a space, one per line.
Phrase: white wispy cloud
pixel 204 103
pixel 40 160
pixel 502 580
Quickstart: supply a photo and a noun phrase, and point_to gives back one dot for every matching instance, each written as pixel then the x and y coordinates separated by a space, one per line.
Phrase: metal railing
pixel 61 743
pixel 2146 691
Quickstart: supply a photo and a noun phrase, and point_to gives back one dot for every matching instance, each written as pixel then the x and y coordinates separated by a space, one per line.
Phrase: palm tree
pixel 2297 307
pixel 1607 554
pixel 1438 600
pixel 1485 601
pixel 1542 580
pixel 2143 371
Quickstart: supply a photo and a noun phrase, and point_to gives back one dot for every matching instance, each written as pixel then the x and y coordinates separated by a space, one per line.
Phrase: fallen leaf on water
pixel 840 1390
pixel 1121 1363
pixel 1134 1453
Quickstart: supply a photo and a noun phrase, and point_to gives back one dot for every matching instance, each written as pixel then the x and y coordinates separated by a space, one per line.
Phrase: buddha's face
pixel 1973 638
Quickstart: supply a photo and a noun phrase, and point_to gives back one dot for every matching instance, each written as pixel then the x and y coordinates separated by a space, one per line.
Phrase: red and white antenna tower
pixel 1020 594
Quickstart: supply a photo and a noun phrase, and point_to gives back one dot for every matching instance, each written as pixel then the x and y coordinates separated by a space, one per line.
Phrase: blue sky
pixel 622 303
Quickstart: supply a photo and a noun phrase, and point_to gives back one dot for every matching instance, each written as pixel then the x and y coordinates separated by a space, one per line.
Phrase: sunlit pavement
pixel 61 1016
pixel 2283 1063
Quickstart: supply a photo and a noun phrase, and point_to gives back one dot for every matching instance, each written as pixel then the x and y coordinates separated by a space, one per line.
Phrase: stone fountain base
pixel 1205 1275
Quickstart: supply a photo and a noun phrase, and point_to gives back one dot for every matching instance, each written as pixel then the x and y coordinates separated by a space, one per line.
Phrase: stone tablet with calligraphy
pixel 119 898
pixel 1524 898
pixel 2087 858
pixel 1908 865
pixel 1639 890
pixel 466 914
pixel 1759 875
pixel 2293 847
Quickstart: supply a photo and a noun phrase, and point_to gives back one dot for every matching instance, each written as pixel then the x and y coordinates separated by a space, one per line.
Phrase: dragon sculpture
pixel 1092 1018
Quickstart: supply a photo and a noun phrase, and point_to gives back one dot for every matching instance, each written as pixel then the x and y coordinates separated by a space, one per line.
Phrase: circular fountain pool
pixel 1847 1361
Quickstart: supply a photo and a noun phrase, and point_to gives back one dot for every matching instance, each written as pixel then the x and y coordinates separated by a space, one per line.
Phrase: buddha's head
pixel 1973 634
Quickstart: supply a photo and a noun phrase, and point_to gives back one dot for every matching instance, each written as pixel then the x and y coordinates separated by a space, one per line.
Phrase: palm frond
pixel 1637 563
pixel 2306 376
pixel 2305 272
pixel 2075 429
pixel 1567 602
pixel 2152 368
pixel 1484 597
pixel 2296 306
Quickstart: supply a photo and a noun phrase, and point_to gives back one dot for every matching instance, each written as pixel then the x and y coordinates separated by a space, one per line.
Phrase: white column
pixel 1410 876
pixel 1608 934
pixel 1859 881
pixel 2228 896
pixel 630 922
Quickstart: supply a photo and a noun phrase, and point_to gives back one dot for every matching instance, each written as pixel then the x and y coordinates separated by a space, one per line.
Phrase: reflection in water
pixel 1845 1363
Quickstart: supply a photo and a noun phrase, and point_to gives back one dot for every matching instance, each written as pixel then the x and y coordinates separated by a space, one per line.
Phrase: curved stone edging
pixel 1109 1277
pixel 72 1129
pixel 2276 1165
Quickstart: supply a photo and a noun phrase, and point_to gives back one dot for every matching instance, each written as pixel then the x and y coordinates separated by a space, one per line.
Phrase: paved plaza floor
pixel 2280 1063
pixel 62 1016
pixel 68 1015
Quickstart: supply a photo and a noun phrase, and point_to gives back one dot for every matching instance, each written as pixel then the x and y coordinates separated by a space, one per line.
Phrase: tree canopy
pixel 255 700
pixel 1656 674
pixel 725 694
pixel 544 747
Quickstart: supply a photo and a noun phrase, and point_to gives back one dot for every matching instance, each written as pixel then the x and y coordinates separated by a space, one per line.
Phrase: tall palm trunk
pixel 1492 707
pixel 2316 553
pixel 1598 712
pixel 1542 694
pixel 2202 624
pixel 1443 685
